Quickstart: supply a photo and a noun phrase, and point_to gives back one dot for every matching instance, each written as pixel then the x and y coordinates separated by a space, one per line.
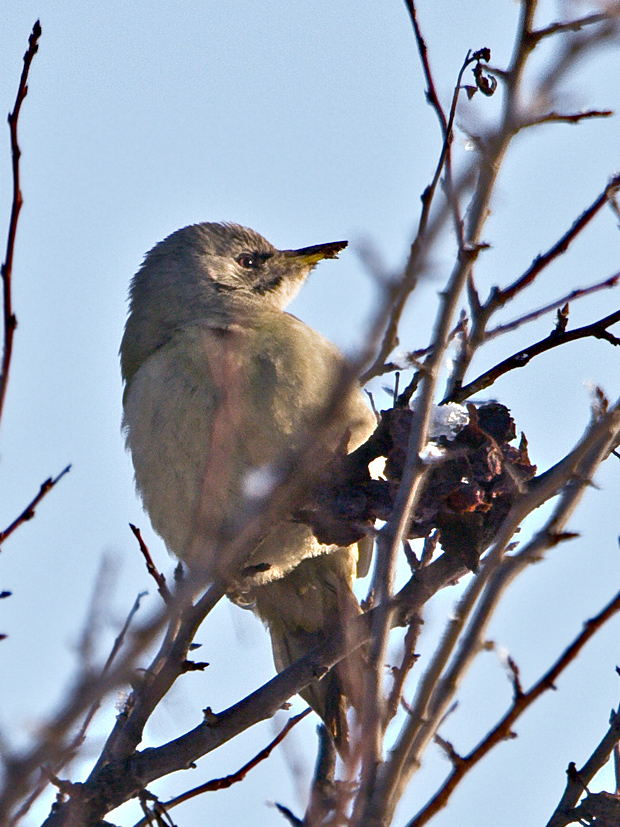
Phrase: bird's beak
pixel 310 255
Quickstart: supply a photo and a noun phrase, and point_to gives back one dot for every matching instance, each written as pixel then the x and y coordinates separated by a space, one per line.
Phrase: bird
pixel 222 386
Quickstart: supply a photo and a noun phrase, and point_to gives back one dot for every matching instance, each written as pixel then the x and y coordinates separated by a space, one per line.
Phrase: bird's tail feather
pixel 302 610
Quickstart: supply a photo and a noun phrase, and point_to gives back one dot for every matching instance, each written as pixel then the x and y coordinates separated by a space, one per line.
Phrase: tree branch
pixel 116 780
pixel 503 729
pixel 10 320
pixel 578 780
pixel 228 780
pixel 29 511
pixel 498 297
pixel 596 330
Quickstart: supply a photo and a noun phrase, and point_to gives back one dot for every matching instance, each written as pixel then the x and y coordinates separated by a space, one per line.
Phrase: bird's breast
pixel 214 409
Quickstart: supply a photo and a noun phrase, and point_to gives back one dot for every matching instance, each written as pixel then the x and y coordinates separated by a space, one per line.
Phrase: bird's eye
pixel 249 260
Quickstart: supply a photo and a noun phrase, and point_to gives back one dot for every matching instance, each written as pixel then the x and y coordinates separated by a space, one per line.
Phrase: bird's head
pixel 213 272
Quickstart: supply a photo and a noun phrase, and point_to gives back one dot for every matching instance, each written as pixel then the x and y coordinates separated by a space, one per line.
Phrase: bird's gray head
pixel 213 272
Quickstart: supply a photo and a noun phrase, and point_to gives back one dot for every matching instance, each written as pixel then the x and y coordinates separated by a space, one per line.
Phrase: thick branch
pixel 118 780
pixel 228 780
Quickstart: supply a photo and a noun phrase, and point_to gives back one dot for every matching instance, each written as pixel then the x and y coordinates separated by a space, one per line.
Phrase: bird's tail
pixel 302 610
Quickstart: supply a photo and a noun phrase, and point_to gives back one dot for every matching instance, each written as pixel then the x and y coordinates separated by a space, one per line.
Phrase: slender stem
pixel 10 320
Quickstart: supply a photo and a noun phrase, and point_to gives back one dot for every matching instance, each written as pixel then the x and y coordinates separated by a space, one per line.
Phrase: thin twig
pixel 152 569
pixel 405 286
pixel 521 702
pixel 86 688
pixel 556 338
pixel 10 320
pixel 431 92
pixel 71 750
pixel 569 117
pixel 498 297
pixel 578 293
pixel 118 642
pixel 570 25
pixel 29 511
pixel 228 780
pixel 574 295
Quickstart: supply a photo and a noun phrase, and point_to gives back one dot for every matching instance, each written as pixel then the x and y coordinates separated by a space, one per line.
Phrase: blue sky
pixel 307 122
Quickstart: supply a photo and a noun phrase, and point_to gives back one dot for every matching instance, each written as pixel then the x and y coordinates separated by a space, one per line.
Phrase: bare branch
pixel 370 808
pixel 116 780
pixel 578 293
pixel 596 330
pixel 572 118
pixel 10 320
pixel 123 771
pixel 431 92
pixel 415 472
pixel 86 688
pixel 50 772
pixel 29 511
pixel 521 702
pixel 236 777
pixel 159 578
pixel 402 289
pixel 324 797
pixel 578 780
pixel 401 672
pixel 481 313
pixel 571 476
pixel 116 647
pixel 570 25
